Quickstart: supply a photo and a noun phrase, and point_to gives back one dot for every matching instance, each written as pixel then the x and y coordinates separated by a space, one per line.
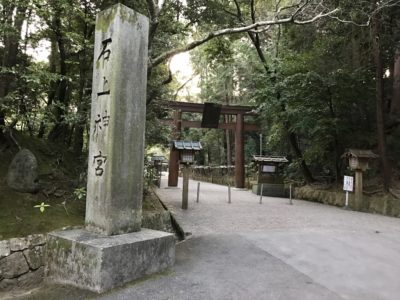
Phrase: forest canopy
pixel 324 75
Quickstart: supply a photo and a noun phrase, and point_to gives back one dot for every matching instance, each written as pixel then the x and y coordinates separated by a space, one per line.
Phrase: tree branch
pixel 170 77
pixel 154 13
pixel 317 17
pixel 291 19
pixel 181 87
pixel 366 24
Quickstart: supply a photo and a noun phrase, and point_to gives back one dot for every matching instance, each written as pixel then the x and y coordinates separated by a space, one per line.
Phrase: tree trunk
pixel 355 49
pixel 395 105
pixel 335 139
pixel 12 39
pixel 53 86
pixel 297 152
pixel 380 101
pixel 60 129
pixel 84 66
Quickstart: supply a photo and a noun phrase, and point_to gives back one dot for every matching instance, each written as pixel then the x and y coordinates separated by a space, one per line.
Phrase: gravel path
pixel 246 250
pixel 213 213
pixel 354 255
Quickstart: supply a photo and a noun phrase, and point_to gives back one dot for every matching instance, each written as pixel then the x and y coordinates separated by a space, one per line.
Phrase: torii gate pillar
pixel 239 152
pixel 173 166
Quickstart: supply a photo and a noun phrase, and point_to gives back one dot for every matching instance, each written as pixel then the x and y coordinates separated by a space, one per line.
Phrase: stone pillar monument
pixel 113 249
pixel 118 113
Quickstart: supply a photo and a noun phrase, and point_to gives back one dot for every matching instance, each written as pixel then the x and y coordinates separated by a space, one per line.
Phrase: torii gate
pixel 239 126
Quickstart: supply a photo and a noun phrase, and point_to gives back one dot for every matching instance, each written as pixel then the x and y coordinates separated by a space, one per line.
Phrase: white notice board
pixel 268 169
pixel 348 183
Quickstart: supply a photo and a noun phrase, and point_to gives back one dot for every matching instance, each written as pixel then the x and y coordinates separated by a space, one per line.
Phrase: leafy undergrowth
pixel 59 177
pixel 59 172
pixel 19 217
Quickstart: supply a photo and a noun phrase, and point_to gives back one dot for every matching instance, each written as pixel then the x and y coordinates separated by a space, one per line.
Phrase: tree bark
pixel 83 106
pixel 335 139
pixel 380 101
pixel 60 129
pixel 395 104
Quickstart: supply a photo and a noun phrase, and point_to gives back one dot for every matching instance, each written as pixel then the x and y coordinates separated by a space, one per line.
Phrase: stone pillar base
pixel 99 263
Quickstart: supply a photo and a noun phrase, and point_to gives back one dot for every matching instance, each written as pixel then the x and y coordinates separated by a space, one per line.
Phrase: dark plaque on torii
pixel 211 114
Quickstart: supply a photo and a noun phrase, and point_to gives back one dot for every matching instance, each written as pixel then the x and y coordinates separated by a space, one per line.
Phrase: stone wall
pixel 22 262
pixel 381 203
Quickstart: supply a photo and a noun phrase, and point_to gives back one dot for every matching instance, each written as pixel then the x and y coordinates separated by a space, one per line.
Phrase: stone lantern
pixel 157 161
pixel 358 162
pixel 187 150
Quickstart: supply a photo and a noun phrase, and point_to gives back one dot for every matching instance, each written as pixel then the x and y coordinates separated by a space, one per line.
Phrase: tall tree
pixel 380 99
pixel 13 16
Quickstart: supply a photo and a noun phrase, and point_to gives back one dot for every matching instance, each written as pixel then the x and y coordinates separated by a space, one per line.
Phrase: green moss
pixel 127 15
pixel 59 245
pixel 19 218
pixel 106 17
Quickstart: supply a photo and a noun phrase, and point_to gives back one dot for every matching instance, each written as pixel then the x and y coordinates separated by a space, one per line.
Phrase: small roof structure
pixel 276 159
pixel 158 158
pixel 187 145
pixel 358 153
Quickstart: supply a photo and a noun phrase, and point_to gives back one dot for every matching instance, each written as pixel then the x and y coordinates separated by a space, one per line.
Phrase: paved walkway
pixel 246 250
pixel 355 255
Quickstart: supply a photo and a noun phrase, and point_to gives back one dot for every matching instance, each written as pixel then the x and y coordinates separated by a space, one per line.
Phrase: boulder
pixel 22 173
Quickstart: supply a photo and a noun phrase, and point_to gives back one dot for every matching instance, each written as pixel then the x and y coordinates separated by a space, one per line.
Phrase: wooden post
pixel 198 192
pixel 261 192
pixel 229 193
pixel 173 171
pixel 358 191
pixel 185 187
pixel 239 152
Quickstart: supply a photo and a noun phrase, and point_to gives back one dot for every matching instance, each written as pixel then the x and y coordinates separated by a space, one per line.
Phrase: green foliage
pixel 42 207
pixel 316 82
pixel 80 193
pixel 149 175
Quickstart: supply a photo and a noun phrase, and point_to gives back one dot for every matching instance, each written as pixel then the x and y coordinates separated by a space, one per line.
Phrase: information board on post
pixel 348 183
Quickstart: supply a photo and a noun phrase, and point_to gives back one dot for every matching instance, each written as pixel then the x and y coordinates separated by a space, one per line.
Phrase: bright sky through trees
pixel 182 69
